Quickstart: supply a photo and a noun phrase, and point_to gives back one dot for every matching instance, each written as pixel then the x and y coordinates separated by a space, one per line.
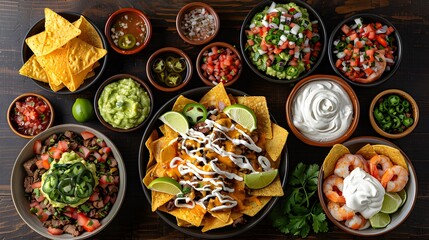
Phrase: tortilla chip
pixel 77 79
pixel 90 74
pixel 221 215
pixel 55 65
pixel 34 70
pixel 193 216
pixel 275 189
pixel 367 152
pixel 181 102
pixel 89 34
pixel 211 223
pixel 259 105
pixel 254 205
pixel 394 154
pixel 236 215
pixel 58 30
pixel 36 43
pixel 149 177
pixel 159 199
pixel 337 151
pixel 82 55
pixel 157 146
pixel 231 99
pixel 274 146
pixel 168 131
pixel 153 136
pixel 217 96
pixel 167 153
pixel 183 223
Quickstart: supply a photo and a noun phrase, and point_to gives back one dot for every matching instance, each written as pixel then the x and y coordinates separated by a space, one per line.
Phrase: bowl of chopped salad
pixel 365 49
pixel 283 42
pixel 68 182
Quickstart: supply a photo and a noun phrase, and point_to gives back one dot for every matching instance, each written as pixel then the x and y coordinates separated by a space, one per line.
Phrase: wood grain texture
pixel 135 220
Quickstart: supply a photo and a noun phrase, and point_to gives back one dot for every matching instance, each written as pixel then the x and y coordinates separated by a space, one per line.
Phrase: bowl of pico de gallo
pixel 283 42
pixel 365 49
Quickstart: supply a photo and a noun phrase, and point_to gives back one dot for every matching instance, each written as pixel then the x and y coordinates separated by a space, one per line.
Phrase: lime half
pixel 380 220
pixel 260 180
pixel 165 185
pixel 403 195
pixel 243 115
pixel 176 121
pixel 391 203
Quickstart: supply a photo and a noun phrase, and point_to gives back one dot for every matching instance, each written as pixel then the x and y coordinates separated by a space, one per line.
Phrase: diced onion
pixel 295 29
pixel 341 55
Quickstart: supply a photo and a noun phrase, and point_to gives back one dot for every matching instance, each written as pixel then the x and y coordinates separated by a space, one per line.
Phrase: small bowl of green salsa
pixel 128 31
pixel 393 113
pixel 123 103
pixel 169 69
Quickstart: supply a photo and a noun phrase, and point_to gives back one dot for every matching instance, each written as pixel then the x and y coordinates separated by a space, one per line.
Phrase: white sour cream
pixel 363 193
pixel 322 110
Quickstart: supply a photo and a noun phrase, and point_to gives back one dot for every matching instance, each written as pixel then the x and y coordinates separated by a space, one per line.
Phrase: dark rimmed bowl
pixel 366 17
pixel 404 95
pixel 243 40
pixel 40 27
pixel 21 203
pixel 164 52
pixel 224 232
pixel 112 19
pixel 398 217
pixel 200 61
pixel 189 7
pixel 347 88
pixel 10 113
pixel 114 79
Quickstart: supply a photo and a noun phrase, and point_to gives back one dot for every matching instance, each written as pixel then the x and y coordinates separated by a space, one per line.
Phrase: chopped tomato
pixel 87 223
pixel 105 180
pixel 63 145
pixel 221 64
pixel 37 147
pixel 381 40
pixel 85 151
pixel 31 115
pixel 368 71
pixel 36 185
pixel 345 29
pixel 55 231
pixel 55 152
pixel 87 135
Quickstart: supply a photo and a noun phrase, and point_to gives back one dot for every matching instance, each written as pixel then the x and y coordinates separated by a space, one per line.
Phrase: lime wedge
pixel 391 203
pixel 176 121
pixel 243 115
pixel 260 180
pixel 165 185
pixel 403 195
pixel 380 220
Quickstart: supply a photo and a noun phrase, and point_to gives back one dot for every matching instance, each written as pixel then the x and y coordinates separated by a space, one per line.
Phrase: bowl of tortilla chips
pixel 367 149
pixel 64 53
pixel 215 214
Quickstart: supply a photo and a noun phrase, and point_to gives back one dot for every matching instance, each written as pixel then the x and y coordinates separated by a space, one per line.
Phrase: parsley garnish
pixel 301 209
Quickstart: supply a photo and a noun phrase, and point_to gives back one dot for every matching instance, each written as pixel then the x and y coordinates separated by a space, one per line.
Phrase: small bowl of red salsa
pixel 30 114
pixel 219 62
pixel 128 31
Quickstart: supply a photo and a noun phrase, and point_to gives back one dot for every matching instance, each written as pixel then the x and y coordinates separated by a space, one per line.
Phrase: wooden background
pixel 135 221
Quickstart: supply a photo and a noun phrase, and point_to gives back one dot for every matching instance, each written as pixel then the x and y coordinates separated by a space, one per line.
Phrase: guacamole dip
pixel 70 181
pixel 124 104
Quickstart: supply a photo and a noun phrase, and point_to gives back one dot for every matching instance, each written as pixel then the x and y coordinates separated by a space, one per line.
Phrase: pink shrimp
pixel 340 211
pixel 347 163
pixel 357 222
pixel 378 165
pixel 395 178
pixel 333 189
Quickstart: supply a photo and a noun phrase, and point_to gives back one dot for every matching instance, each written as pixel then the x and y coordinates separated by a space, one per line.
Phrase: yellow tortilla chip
pixel 274 146
pixel 167 153
pixel 181 102
pixel 36 43
pixel 215 97
pixel 55 65
pixel 149 177
pixel 337 151
pixel 259 105
pixel 159 199
pixel 153 136
pixel 236 215
pixel 367 152
pixel 82 55
pixel 211 223
pixel 193 216
pixel 223 216
pixel 90 74
pixel 168 131
pixel 254 205
pixel 183 223
pixel 394 154
pixel 77 79
pixel 58 30
pixel 275 189
pixel 34 70
pixel 89 34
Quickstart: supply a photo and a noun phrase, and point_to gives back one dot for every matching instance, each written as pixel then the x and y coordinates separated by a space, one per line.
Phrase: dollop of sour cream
pixel 322 110
pixel 363 193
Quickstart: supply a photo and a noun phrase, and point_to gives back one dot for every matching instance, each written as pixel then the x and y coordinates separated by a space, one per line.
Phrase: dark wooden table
pixel 135 220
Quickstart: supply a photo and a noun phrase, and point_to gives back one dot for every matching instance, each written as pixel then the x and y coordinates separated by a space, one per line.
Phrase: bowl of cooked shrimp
pixel 367 186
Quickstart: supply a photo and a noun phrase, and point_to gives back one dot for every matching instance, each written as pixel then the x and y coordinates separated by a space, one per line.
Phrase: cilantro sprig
pixel 301 210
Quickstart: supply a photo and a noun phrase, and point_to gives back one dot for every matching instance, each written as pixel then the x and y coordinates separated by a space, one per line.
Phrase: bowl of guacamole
pixel 123 103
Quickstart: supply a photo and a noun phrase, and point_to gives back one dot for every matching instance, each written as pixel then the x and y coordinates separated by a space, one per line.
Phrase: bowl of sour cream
pixel 322 110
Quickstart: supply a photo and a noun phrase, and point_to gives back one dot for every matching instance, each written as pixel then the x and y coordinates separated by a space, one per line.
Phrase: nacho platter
pixel 222 232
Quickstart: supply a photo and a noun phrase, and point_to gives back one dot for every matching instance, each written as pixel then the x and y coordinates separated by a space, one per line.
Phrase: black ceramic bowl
pixel 40 27
pixel 366 18
pixel 313 16
pixel 221 233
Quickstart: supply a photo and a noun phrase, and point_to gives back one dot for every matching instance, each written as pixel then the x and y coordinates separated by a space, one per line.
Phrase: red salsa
pixel 31 115
pixel 128 31
pixel 220 65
